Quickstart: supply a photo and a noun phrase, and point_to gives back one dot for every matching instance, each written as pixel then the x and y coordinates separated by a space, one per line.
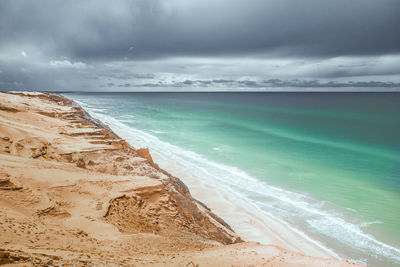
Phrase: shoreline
pixel 342 229
pixel 98 182
pixel 242 216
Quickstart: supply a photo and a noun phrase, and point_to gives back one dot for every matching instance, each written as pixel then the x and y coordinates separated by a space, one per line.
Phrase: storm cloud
pixel 91 44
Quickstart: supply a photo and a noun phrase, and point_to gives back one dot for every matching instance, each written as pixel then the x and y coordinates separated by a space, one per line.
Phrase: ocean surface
pixel 327 164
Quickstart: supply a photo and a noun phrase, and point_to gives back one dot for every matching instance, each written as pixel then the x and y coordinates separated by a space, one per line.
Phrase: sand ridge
pixel 73 192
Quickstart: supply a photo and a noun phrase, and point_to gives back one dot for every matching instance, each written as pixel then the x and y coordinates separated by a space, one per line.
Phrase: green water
pixel 339 149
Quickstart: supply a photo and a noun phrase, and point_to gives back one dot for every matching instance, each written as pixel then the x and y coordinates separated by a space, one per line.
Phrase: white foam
pixel 158 132
pixel 365 224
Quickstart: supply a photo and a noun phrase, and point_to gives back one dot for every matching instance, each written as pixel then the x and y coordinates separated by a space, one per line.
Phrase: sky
pixel 130 45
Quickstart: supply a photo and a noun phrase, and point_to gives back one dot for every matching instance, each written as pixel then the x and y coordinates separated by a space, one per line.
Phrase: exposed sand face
pixel 71 192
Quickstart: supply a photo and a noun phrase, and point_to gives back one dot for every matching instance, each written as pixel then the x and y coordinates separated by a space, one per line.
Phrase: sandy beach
pixel 73 192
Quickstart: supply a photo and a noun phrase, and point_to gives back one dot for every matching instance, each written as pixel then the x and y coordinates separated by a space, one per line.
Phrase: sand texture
pixel 72 192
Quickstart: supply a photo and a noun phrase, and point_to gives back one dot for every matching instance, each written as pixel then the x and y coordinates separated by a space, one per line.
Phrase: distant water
pixel 326 163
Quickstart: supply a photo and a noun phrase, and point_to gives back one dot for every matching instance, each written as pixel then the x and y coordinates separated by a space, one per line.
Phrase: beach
pixel 321 165
pixel 73 192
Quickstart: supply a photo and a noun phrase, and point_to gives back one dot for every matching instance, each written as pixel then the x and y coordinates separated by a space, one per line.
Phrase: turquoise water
pixel 327 163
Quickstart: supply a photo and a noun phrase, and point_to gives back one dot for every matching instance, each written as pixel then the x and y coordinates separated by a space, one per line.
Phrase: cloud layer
pixel 47 43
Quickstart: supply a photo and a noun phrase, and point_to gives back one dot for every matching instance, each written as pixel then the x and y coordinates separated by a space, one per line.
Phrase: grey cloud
pixel 122 74
pixel 235 74
pixel 222 81
pixel 101 44
pixel 271 83
pixel 118 29
pixel 125 85
pixel 188 82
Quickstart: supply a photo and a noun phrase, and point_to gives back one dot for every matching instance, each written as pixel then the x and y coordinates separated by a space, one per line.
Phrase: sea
pixel 327 164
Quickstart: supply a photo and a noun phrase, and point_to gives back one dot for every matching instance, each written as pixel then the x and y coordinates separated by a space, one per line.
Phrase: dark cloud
pixel 98 29
pixel 125 85
pixel 106 45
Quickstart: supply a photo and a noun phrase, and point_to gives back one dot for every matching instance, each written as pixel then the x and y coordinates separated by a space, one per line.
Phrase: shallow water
pixel 326 163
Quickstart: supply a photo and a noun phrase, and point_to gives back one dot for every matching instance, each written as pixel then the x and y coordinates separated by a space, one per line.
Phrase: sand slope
pixel 72 192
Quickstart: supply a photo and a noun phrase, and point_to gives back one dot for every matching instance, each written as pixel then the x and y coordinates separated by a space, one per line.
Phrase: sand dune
pixel 72 192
